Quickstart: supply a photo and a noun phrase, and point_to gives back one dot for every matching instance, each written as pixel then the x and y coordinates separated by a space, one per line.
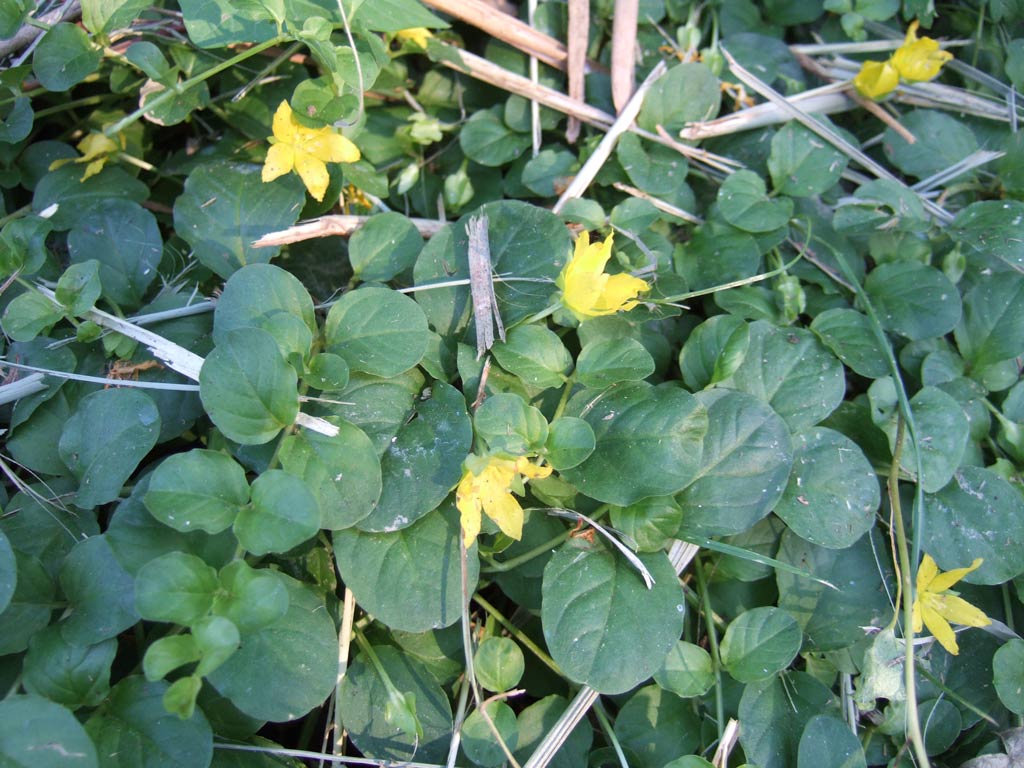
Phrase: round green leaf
pixel 848 334
pixel 570 441
pixel 759 644
pixel 657 726
pixel 167 654
pixel 65 57
pixel 609 361
pixel 8 572
pixel 833 492
pixel 655 169
pixel 247 388
pixel 79 287
pixel 548 172
pixel 978 514
pixel 790 370
pixel 487 140
pixel 75 197
pixel 776 712
pixel 175 587
pixel 283 514
pixel 197 490
pixel 43 734
pixel 69 674
pixel 801 164
pixel 31 605
pixel 103 18
pixel 423 462
pixel 287 668
pixel 941 723
pixel 940 142
pixel 651 523
pixel 744 203
pixel 478 740
pixel 536 722
pixel 507 424
pixel 100 593
pixel 384 247
pixel 988 228
pixel 648 442
pixel 251 598
pixel 361 699
pixel 992 327
pixel 29 315
pixel 713 351
pixel 593 603
pixel 408 579
pixel 109 433
pixel 216 638
pixel 746 459
pixel 343 471
pixel 687 93
pixel 535 354
pixel 913 300
pixel 226 207
pixel 827 742
pixel 377 330
pixel 717 253
pixel 327 372
pixel 687 671
pixel 132 729
pixel 498 664
pixel 256 292
pixel 1008 675
pixel 125 239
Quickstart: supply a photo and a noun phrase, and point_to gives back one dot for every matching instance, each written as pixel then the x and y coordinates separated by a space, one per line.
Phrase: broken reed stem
pixel 481 286
pixel 334 225
pixel 577 35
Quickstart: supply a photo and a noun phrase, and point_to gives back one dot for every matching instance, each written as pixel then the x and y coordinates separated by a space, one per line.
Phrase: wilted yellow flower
pixel 306 151
pixel 935 606
pixel 96 149
pixel 490 489
pixel 917 60
pixel 587 291
pixel 417 35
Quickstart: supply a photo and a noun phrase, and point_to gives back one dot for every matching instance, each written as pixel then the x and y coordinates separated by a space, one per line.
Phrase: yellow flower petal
pixel 920 60
pixel 490 490
pixel 935 607
pixel 338 149
pixel 284 125
pixel 959 611
pixel 926 572
pixel 940 629
pixel 619 293
pixel 587 291
pixel 946 580
pixel 503 509
pixel 528 469
pixel 417 35
pixel 313 173
pixel 280 160
pixel 876 79
pixel 468 503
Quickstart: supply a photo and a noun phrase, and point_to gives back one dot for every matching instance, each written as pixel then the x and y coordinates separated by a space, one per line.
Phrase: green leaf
pixel 538 719
pixel 648 442
pixel 125 239
pixel 508 425
pixel 525 241
pixel 393 15
pixel 717 253
pixel 23 244
pixel 992 229
pixel 377 330
pixel 827 742
pixel 548 173
pixel 423 462
pixel 283 514
pixel 175 587
pixel 257 292
pixel 776 712
pixel 251 598
pixel 132 728
pixel 657 726
pixel 992 327
pixel 104 16
pixel 848 334
pixel 744 202
pixel 75 197
pixel 487 140
pixel 746 458
pixel 535 354
pixel 180 698
pixel 8 572
pixel 609 361
pixel 360 697
pixel 687 671
pixel 1008 675
pixel 384 247
pixel 832 616
pixel 30 607
pixel 653 168
pixel 883 205
pixel 69 674
pixel 217 638
pixel 913 300
pixel 940 142
pixel 226 207
pixel 29 315
pixel 197 490
pixel 65 57
pixel 409 579
pixel 790 370
pixel 593 603
pixel 978 514
pixel 167 654
pixel 833 492
pixel 760 643
pixel 498 664
pixel 327 372
pixel 109 433
pixel 478 739
pixel 687 93
pixel 100 593
pixel 570 441
pixel 713 351
pixel 12 14
pixel 343 471
pixel 801 164
pixel 43 734
pixel 651 523
pixel 79 287
pixel 247 388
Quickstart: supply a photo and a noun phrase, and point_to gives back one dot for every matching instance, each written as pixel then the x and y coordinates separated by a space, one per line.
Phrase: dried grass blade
pixel 334 225
pixel 577 37
pixel 624 51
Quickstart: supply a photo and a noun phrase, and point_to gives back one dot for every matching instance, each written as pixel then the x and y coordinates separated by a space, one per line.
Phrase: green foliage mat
pixel 353 406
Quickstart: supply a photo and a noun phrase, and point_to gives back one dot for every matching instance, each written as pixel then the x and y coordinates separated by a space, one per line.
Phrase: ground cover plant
pixel 602 384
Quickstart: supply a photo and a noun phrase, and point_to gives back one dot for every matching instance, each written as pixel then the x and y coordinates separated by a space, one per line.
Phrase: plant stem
pixel 716 660
pixel 518 634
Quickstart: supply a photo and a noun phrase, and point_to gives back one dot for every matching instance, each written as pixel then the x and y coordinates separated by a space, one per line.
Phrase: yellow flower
pixel 96 149
pixel 417 35
pixel 306 150
pixel 876 79
pixel 935 606
pixel 919 59
pixel 587 291
pixel 490 490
